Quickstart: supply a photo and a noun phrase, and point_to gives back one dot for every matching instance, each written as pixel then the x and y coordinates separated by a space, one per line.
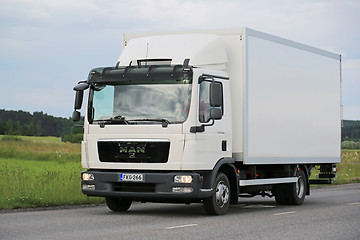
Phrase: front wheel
pixel 219 202
pixel 118 204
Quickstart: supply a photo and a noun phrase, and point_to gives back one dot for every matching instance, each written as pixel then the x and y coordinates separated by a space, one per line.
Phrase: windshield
pixel 146 101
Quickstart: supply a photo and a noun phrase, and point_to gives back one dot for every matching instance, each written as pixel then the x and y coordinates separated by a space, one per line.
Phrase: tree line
pixel 350 130
pixel 350 135
pixel 37 124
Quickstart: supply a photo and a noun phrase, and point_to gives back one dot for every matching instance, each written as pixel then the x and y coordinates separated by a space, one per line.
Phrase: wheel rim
pixel 222 194
pixel 300 186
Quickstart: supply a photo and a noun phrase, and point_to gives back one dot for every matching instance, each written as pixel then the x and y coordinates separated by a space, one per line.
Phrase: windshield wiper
pixel 115 119
pixel 164 121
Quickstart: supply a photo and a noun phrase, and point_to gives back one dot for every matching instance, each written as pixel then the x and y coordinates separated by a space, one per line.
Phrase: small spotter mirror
pixel 76 116
pixel 216 95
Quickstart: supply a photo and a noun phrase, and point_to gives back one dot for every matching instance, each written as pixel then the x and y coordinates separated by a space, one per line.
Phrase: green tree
pixel 1 127
pixel 29 129
pixel 8 127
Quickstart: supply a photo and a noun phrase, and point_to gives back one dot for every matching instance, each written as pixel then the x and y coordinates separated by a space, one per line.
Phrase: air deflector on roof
pixel 136 73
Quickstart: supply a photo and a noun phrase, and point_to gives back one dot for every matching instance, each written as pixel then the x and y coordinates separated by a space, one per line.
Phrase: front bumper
pixel 156 186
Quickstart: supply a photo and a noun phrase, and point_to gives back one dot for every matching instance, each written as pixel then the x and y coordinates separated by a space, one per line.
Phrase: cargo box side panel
pixel 292 103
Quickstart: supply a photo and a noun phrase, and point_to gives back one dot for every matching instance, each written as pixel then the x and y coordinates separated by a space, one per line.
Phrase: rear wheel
pixel 297 191
pixel 118 204
pixel 280 194
pixel 292 193
pixel 219 202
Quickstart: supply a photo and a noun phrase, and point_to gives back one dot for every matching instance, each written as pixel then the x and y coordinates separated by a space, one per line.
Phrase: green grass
pixel 40 171
pixel 39 183
pixel 349 168
pixel 39 148
pixel 42 139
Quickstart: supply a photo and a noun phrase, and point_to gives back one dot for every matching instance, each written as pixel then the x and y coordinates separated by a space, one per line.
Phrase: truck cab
pixel 155 130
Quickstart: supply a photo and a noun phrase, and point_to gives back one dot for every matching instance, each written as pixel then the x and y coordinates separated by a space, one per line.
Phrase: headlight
pixel 183 179
pixel 87 176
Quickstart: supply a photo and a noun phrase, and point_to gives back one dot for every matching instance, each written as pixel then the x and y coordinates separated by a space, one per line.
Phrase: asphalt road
pixel 329 213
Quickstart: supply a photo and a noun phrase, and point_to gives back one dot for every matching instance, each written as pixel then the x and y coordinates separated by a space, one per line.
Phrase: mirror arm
pixel 196 129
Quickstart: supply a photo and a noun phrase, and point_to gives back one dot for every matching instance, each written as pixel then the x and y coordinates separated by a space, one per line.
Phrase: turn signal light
pixel 183 179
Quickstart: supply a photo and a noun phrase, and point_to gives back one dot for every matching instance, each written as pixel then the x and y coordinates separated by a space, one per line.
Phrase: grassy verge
pixel 38 172
pixel 39 183
pixel 349 168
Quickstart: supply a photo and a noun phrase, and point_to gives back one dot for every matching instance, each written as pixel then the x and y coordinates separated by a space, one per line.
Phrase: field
pixel 39 172
pixel 349 168
pixel 43 171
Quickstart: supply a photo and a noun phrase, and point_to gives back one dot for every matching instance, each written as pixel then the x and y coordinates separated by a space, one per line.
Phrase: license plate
pixel 131 177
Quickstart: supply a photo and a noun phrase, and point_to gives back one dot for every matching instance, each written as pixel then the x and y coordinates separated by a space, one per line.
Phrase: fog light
pixel 183 179
pixel 183 189
pixel 88 187
pixel 87 176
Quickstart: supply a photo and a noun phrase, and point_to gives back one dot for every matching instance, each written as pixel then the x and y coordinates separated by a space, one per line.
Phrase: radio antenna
pixel 147 51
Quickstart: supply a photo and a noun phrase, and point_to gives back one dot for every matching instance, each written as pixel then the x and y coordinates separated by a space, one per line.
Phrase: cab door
pixel 212 132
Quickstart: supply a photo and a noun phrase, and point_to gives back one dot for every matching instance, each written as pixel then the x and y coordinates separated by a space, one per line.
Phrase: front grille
pixel 134 187
pixel 133 152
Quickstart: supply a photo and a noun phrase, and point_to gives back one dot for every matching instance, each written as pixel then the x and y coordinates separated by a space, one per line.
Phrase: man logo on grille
pixel 132 151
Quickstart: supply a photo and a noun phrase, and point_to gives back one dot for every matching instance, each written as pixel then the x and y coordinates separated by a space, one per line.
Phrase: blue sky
pixel 47 46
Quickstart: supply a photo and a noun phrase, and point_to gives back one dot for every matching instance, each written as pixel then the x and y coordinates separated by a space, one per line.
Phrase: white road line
pixel 182 226
pixel 259 206
pixel 284 213
pixel 354 203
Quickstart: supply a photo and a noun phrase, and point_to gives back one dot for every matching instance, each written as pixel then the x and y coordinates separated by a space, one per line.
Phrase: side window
pixel 204 102
pixel 103 103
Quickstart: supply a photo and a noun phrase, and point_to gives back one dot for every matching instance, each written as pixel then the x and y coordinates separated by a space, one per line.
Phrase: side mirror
pixel 78 99
pixel 76 116
pixel 216 94
pixel 215 114
pixel 79 88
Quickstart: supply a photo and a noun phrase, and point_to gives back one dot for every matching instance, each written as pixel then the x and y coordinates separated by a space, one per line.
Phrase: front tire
pixel 118 204
pixel 219 202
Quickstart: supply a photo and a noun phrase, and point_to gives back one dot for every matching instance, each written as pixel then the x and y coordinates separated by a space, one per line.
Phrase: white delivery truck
pixel 210 116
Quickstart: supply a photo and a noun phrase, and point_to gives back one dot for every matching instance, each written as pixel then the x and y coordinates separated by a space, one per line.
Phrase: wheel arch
pixel 226 166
